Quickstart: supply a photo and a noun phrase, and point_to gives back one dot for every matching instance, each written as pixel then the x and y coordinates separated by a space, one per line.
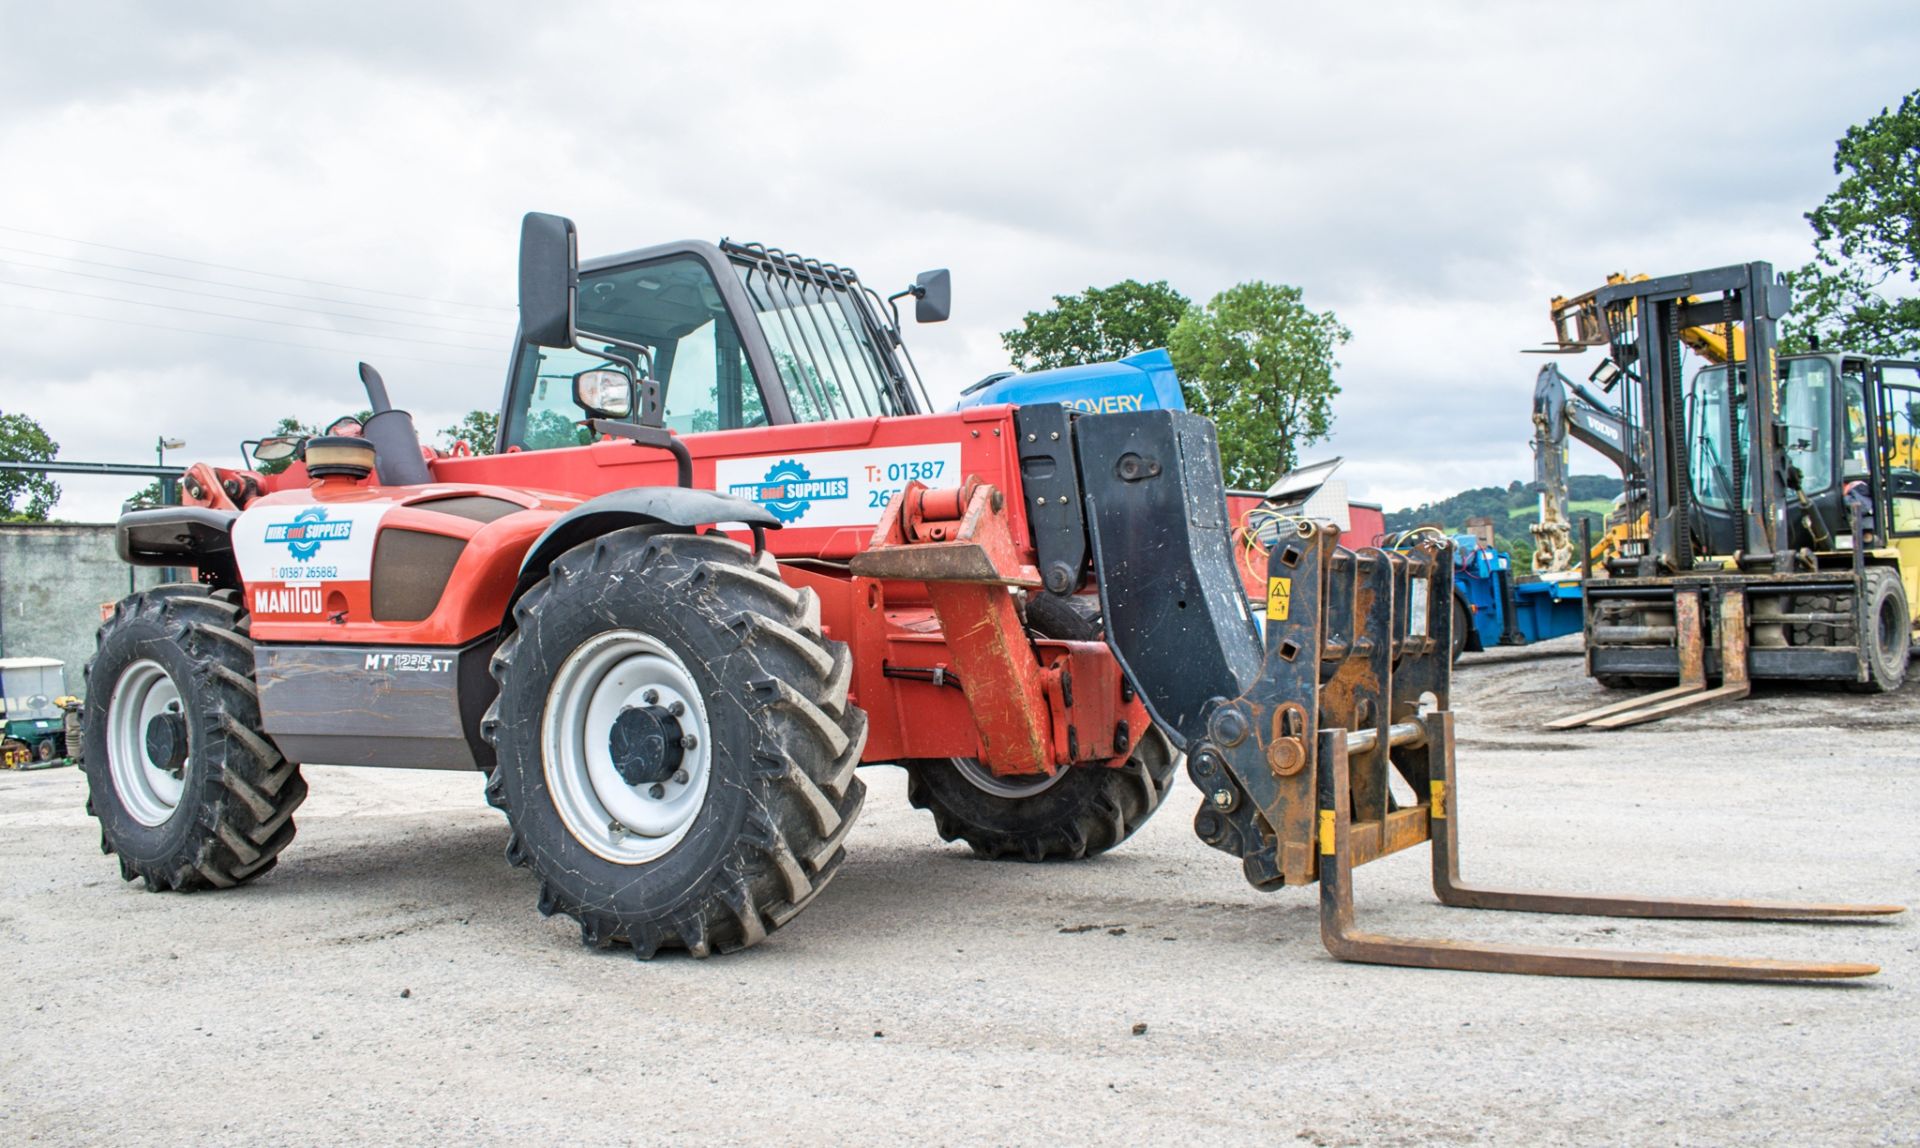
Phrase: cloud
pixel 1431 173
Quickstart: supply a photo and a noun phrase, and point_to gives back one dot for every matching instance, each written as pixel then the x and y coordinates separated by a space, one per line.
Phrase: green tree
pixel 1097 326
pixel 24 495
pixel 1259 362
pixel 1866 238
pixel 479 430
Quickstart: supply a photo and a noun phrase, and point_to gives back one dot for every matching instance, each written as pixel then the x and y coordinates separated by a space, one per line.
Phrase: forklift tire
pixel 188 790
pixel 1889 638
pixel 675 748
pixel 1081 811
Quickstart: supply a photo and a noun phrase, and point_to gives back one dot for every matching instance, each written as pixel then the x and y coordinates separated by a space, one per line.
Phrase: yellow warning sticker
pixel 1439 800
pixel 1279 596
pixel 1326 832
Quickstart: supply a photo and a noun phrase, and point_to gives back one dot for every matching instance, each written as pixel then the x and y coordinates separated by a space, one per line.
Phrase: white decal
pixel 1417 608
pixel 307 544
pixel 406 662
pixel 836 487
pixel 289 600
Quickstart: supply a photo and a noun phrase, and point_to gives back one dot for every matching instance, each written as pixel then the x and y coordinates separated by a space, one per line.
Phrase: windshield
pixel 821 337
pixel 672 308
pixel 1806 400
pixel 1709 459
pixel 1806 406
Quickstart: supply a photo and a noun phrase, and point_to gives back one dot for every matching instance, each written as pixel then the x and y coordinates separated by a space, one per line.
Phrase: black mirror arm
pixel 658 437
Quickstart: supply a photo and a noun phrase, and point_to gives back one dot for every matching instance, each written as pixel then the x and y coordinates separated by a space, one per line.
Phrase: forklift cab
pixel 1828 406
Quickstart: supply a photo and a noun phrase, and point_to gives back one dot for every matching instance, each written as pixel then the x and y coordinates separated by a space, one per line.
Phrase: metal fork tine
pixel 1443 818
pixel 1337 930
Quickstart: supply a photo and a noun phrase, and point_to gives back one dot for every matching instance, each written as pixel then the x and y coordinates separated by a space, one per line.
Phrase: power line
pixel 229 335
pixel 251 271
pixel 232 299
pixel 387 307
pixel 241 318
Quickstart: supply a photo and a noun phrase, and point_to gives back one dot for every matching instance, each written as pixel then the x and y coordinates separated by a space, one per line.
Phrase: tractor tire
pixel 44 750
pixel 719 809
pixel 1079 812
pixel 187 789
pixel 1889 638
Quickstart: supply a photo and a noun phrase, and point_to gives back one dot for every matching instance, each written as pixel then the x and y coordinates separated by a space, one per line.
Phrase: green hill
pixel 1513 509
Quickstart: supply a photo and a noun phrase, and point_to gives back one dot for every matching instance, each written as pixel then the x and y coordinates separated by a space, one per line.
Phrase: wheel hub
pixel 167 742
pixel 627 746
pixel 646 744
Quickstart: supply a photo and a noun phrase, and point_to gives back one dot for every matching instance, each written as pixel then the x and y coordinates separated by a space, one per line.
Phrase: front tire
pixel 675 747
pixel 1888 641
pixel 187 789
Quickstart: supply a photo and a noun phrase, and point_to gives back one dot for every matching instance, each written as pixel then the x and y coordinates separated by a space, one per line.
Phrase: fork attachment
pixel 1692 692
pixel 1297 739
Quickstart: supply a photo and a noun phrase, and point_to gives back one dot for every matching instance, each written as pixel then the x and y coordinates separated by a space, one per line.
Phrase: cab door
pixel 1897 395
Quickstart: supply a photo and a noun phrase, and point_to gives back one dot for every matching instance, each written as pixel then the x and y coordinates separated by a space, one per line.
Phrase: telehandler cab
pixel 670 631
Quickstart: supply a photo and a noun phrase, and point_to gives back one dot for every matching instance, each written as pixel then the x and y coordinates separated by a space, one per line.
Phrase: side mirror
pixel 604 392
pixel 549 278
pixel 274 449
pixel 933 296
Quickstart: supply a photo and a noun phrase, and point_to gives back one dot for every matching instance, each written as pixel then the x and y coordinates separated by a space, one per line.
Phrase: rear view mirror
pixel 549 277
pixel 933 296
pixel 604 392
pixel 274 449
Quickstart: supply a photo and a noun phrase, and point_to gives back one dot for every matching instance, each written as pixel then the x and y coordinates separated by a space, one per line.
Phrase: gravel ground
pixel 392 981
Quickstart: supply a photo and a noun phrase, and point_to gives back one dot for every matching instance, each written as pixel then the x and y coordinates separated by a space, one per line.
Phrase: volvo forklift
pixel 1780 507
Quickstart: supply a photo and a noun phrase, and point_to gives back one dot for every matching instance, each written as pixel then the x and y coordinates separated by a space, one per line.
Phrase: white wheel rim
pixel 149 793
pixel 983 779
pixel 610 672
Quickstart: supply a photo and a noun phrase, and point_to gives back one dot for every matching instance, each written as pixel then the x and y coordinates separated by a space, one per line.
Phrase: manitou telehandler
pixel 1778 509
pixel 726 554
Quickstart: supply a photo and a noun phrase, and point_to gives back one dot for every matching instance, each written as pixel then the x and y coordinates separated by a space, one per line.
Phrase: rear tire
pixel 176 664
pixel 1081 811
pixel 726 837
pixel 1889 638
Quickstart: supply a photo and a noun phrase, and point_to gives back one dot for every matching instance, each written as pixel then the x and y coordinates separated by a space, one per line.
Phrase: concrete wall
pixel 53 578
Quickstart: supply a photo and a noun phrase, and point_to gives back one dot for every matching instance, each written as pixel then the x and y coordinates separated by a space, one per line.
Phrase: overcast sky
pixel 1431 172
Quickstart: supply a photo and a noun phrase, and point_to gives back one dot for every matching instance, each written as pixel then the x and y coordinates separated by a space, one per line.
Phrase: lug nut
pixel 677 708
pixel 650 697
pixel 679 777
pixel 617 829
pixel 688 741
pixel 657 792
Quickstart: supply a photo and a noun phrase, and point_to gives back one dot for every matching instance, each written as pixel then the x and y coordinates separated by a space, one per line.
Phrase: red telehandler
pixel 727 554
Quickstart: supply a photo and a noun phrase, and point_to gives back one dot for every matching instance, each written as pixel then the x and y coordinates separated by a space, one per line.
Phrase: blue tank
pixel 1140 382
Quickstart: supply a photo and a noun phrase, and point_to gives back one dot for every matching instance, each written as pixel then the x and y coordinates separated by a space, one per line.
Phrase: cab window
pixel 672 308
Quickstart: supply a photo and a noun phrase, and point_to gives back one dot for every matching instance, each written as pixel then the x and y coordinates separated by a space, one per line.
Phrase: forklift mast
pixel 1645 321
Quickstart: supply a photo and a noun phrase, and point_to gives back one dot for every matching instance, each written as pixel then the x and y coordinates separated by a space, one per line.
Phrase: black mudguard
pixel 668 505
pixel 180 536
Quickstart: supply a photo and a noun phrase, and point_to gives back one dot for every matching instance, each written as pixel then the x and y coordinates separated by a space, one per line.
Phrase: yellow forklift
pixel 1778 527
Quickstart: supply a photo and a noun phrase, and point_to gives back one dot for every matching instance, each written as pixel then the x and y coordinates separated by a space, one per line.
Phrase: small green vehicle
pixel 36 730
